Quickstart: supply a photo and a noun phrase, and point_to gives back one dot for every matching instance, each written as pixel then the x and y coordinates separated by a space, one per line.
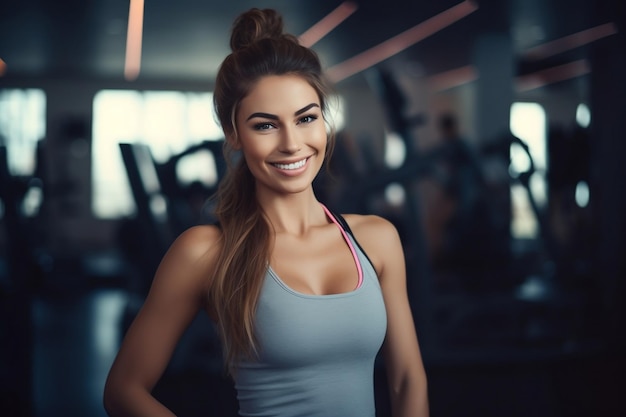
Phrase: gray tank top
pixel 317 352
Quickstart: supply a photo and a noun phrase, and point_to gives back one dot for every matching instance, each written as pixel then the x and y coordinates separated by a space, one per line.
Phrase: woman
pixel 302 311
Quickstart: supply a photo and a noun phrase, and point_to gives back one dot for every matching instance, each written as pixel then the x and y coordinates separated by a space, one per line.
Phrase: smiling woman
pixel 302 310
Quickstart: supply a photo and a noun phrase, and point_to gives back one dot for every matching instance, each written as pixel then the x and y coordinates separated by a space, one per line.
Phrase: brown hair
pixel 259 48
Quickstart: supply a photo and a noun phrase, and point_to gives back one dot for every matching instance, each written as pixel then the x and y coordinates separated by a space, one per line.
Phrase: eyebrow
pixel 274 117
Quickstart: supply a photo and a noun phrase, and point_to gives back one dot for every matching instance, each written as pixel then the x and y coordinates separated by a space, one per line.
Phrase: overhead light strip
pixel 400 42
pixel 552 75
pixel 452 78
pixel 132 65
pixel 571 41
pixel 467 74
pixel 327 24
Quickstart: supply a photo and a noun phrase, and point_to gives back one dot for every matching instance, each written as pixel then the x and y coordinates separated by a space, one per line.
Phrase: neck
pixel 293 214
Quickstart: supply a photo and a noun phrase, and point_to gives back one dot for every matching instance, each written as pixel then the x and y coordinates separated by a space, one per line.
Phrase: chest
pixel 295 329
pixel 320 265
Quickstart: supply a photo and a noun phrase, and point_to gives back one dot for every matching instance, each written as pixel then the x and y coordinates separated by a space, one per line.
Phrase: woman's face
pixel 282 133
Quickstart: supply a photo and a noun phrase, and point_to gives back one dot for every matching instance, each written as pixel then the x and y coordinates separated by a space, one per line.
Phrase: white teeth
pixel 294 165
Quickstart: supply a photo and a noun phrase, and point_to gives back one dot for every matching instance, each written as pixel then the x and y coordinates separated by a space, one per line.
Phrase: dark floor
pixel 75 342
pixel 75 335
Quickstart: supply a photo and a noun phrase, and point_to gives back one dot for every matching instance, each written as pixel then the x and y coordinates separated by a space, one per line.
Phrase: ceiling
pixel 187 39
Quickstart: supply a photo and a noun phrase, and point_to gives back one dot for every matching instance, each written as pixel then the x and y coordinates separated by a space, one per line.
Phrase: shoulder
pixel 378 237
pixel 367 227
pixel 191 257
pixel 197 242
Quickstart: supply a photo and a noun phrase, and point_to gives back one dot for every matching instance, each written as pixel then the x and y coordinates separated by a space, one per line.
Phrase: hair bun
pixel 254 25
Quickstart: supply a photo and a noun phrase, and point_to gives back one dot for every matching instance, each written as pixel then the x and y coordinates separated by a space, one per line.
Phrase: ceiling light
pixel 400 42
pixel 552 75
pixel 452 78
pixel 133 40
pixel 570 42
pixel 328 23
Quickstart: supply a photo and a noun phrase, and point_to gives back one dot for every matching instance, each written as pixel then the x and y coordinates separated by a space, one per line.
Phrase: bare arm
pixel 175 297
pixel 405 370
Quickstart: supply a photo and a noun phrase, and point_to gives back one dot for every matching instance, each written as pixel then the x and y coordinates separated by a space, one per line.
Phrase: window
pixel 583 115
pixel 336 112
pixel 22 125
pixel 168 121
pixel 528 123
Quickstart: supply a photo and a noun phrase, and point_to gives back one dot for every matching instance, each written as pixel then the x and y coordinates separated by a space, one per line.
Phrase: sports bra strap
pixel 344 224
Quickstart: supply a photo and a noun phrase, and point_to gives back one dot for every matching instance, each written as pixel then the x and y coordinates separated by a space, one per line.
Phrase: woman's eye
pixel 263 126
pixel 307 119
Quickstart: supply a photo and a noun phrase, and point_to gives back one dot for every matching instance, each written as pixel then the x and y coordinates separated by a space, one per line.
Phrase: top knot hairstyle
pixel 255 25
pixel 260 48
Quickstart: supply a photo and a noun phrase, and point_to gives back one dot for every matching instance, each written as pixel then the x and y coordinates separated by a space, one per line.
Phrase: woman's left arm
pixel 401 352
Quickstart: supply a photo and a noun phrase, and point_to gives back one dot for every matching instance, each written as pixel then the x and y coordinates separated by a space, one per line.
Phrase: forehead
pixel 279 94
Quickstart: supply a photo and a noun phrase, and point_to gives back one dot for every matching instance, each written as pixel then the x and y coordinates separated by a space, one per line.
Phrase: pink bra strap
pixel 349 242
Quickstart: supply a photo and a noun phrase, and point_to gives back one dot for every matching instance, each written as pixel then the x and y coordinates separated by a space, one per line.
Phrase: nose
pixel 289 141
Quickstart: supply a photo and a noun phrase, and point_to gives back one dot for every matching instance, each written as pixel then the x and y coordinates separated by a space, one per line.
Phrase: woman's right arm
pixel 177 294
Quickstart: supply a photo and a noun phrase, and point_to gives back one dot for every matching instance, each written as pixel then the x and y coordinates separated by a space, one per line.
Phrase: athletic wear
pixel 317 352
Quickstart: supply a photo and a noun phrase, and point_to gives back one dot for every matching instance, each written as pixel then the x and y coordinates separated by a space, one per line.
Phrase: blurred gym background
pixel 491 132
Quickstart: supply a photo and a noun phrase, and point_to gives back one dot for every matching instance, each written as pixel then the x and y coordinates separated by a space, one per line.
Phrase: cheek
pixel 321 136
pixel 255 150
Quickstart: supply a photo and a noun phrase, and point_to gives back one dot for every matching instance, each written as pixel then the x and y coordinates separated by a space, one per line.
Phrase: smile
pixel 293 165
